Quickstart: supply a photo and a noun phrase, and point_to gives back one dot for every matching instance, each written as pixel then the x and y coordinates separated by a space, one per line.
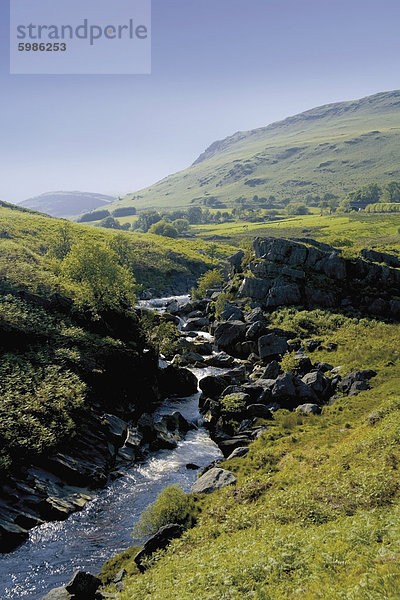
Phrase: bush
pixel 171 506
pixel 164 228
pixel 95 215
pixel 289 362
pixel 211 279
pixel 124 211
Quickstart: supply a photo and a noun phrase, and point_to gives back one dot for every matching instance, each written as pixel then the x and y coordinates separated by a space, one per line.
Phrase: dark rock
pixel 212 480
pixel 231 311
pixel 116 428
pixel 319 384
pixel 271 346
pixel 283 294
pixel 255 330
pixel 258 410
pixel 83 585
pixel 271 371
pixel 381 257
pixel 221 360
pixel 196 324
pixel 228 445
pixel 312 345
pixel 235 260
pixel 213 385
pixel 348 381
pixel 228 334
pixel 239 452
pixel 323 367
pixel 192 467
pixel 175 381
pixel 159 541
pixel 359 386
pixel 254 288
pixel 255 315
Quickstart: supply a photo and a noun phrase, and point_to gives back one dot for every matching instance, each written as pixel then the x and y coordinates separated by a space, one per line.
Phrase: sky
pixel 218 66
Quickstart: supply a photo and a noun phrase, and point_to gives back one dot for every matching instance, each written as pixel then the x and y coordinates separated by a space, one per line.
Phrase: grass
pixel 315 512
pixel 331 149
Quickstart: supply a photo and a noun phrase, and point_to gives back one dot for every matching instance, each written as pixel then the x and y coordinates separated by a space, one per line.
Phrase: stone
pixel 59 593
pixel 228 445
pixel 319 384
pixel 177 382
pixel 212 386
pixel 271 346
pixel 220 360
pixel 116 427
pixel 83 585
pixel 308 408
pixel 256 314
pixel 252 287
pixel 283 294
pixel 120 575
pixel 255 330
pixel 231 311
pixel 228 334
pixel 214 479
pixel 239 452
pixel 235 260
pixel 258 410
pixel 158 541
pixel 196 324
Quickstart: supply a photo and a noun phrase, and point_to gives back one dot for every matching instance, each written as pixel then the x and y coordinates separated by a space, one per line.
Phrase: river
pixel 103 528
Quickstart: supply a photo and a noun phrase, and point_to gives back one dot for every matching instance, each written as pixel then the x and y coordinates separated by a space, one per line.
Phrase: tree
pixel 146 219
pixel 95 215
pixel 109 223
pixel 195 215
pixel 211 279
pixel 391 192
pixel 62 243
pixel 96 279
pixel 164 228
pixel 297 209
pixel 181 225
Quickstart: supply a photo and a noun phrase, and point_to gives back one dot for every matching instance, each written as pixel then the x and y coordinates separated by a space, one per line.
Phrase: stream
pixel 54 551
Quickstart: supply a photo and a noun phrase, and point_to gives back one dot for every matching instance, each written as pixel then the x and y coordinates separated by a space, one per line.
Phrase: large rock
pixel 254 288
pixel 271 346
pixel 83 585
pixel 175 381
pixel 222 360
pixel 228 335
pixel 212 386
pixel 59 593
pixel 312 409
pixel 214 479
pixel 319 384
pixel 283 294
pixel 259 411
pixel 256 330
pixel 196 324
pixel 235 260
pixel 159 541
pixel 255 315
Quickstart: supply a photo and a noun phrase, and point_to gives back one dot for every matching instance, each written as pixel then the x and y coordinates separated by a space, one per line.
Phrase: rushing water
pixel 103 528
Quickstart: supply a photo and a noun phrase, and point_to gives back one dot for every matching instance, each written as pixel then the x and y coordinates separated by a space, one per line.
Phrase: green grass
pixel 315 512
pixel 333 149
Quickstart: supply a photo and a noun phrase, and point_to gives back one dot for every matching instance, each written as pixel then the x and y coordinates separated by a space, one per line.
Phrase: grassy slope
pixel 315 512
pixel 334 148
pixel 25 238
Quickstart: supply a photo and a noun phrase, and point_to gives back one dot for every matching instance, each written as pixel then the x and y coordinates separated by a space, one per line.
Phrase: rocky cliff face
pixel 290 273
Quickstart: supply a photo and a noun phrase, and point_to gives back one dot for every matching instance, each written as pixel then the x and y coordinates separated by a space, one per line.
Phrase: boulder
pixel 348 381
pixel 228 445
pixel 235 260
pixel 158 541
pixel 271 371
pixel 116 428
pixel 59 593
pixel 308 408
pixel 255 330
pixel 319 384
pixel 228 334
pixel 271 346
pixel 220 360
pixel 283 294
pixel 83 585
pixel 212 386
pixel 239 452
pixel 254 288
pixel 177 382
pixel 255 315
pixel 214 479
pixel 196 324
pixel 231 311
pixel 259 411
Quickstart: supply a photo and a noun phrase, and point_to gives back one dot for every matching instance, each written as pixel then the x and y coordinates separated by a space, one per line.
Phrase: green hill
pixel 334 149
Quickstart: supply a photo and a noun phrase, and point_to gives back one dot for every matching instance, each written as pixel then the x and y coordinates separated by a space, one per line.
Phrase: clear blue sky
pixel 218 66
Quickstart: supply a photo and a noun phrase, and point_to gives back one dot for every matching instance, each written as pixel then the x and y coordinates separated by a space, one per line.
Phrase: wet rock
pixel 271 346
pixel 196 324
pixel 116 428
pixel 213 385
pixel 192 466
pixel 159 541
pixel 227 446
pixel 220 360
pixel 212 480
pixel 177 382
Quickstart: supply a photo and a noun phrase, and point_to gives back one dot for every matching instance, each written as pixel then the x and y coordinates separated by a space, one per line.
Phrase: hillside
pixel 330 149
pixel 66 204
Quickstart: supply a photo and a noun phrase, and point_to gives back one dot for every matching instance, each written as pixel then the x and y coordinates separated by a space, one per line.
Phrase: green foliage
pixel 232 404
pixel 297 209
pixel 124 560
pixel 220 303
pixel 210 280
pixel 111 223
pixel 97 281
pixel 172 506
pixel 164 228
pixel 289 362
pixel 62 243
pixel 182 226
pixel 125 211
pixel 161 335
pixel 95 215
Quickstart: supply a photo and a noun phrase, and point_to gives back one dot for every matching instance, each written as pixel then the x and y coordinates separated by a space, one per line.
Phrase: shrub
pixel 289 362
pixel 211 279
pixel 171 506
pixel 95 215
pixel 124 211
pixel 164 228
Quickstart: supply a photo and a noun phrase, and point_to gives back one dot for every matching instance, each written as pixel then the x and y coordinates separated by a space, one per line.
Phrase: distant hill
pixel 66 204
pixel 335 148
